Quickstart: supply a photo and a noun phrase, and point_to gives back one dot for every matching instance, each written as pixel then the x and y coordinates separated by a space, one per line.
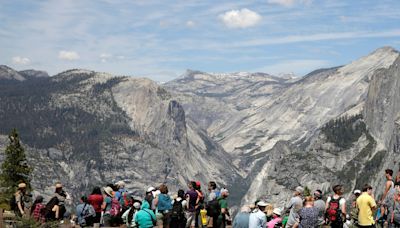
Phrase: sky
pixel 162 39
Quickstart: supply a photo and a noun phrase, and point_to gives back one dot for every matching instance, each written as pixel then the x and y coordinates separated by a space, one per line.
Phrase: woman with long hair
pixel 96 200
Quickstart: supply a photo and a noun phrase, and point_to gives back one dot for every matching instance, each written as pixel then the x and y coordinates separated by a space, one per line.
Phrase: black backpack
pixel 177 210
pixel 213 208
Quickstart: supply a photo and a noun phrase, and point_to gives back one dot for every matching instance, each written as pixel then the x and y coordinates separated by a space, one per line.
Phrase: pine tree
pixel 15 168
pixel 307 191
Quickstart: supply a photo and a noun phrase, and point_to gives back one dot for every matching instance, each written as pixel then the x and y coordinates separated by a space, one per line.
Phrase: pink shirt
pixel 274 221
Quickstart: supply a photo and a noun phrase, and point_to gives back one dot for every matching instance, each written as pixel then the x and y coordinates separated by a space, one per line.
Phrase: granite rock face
pixel 85 129
pixel 258 134
pixel 278 140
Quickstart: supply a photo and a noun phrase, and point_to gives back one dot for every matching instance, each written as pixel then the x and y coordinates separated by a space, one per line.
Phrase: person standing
pixel 257 218
pixel 223 203
pixel 320 205
pixel 388 194
pixel 213 192
pixel 178 219
pixel 106 206
pixel 96 200
pixel 308 215
pixel 191 199
pixel 150 196
pixel 366 205
pixel 294 205
pixel 242 219
pixel 336 207
pixel 19 200
pixel 164 207
pixel 85 212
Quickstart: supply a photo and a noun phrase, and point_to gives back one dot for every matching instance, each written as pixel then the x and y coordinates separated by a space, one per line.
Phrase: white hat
pixel 120 184
pixel 277 211
pixel 262 203
pixel 357 191
pixel 21 185
pixel 151 189
pixel 224 190
pixel 299 189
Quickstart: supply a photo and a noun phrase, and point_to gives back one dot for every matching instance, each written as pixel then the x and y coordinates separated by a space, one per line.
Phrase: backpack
pixel 177 210
pixel 354 214
pixel 125 201
pixel 88 215
pixel 213 208
pixel 115 207
pixel 333 213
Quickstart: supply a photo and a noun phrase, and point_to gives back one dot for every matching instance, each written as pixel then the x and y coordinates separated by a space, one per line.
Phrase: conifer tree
pixel 307 191
pixel 15 168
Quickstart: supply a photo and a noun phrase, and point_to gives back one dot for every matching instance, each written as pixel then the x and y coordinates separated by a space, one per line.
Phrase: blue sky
pixel 161 39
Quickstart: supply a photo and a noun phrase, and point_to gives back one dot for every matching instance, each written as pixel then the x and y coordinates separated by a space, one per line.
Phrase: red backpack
pixel 333 213
pixel 115 207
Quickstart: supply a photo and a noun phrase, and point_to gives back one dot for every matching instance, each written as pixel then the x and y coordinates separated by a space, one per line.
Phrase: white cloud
pixel 298 66
pixel 21 60
pixel 190 24
pixel 290 3
pixel 68 55
pixel 243 18
pixel 104 57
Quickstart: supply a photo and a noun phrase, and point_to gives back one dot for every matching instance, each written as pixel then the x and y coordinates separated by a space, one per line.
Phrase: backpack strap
pixel 83 209
pixel 152 219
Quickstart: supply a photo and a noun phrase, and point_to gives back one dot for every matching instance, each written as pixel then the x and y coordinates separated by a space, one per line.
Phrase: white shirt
pixel 257 219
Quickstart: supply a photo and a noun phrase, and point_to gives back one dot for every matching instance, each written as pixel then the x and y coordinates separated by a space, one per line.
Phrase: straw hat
pixel 108 190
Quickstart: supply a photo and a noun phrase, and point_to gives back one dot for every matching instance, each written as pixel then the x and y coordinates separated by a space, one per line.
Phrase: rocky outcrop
pixel 85 128
pixel 337 125
pixel 277 141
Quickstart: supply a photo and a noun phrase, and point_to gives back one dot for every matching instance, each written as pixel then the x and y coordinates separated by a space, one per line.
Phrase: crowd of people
pixel 115 206
pixel 360 210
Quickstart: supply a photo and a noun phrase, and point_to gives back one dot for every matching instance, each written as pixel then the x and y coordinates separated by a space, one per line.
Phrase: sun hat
pixel 277 211
pixel 299 189
pixel 262 203
pixel 120 184
pixel 108 190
